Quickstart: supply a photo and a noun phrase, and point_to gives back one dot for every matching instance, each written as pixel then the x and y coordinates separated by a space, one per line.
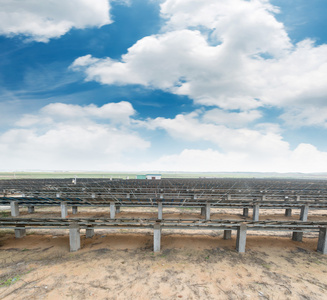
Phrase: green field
pixel 35 175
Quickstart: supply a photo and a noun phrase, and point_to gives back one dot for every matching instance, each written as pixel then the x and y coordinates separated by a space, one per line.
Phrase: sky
pixel 170 85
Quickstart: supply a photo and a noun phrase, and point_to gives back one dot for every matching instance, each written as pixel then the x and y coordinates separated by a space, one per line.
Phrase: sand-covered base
pixel 122 266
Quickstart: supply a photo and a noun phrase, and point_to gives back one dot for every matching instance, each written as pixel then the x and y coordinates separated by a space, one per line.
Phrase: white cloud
pixel 70 137
pixel 230 54
pixel 43 20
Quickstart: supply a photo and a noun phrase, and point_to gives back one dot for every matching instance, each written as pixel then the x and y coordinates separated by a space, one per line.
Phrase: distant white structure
pixel 153 176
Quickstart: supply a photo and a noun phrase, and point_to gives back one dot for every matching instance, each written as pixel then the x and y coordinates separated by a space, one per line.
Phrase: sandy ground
pixel 120 264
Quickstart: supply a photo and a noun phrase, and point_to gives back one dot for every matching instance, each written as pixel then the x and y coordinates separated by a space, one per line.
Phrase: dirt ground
pixel 120 264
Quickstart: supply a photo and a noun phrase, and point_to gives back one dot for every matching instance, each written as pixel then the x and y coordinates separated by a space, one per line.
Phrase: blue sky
pixel 171 85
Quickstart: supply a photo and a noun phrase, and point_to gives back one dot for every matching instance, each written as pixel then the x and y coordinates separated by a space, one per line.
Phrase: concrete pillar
pixel 74 237
pixel 20 232
pixel 263 197
pixel 160 210
pixel 89 233
pixel 256 212
pixel 203 211
pixel 229 197
pixel 245 212
pixel 298 198
pixel 14 208
pixel 74 210
pixel 297 236
pixel 322 240
pixel 241 238
pixel 117 209
pixel 63 207
pixel 156 237
pixel 112 210
pixel 207 208
pixel 288 212
pixel 227 234
pixel 304 212
pixel 30 209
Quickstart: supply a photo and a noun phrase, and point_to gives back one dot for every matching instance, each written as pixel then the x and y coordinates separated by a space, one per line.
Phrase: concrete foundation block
pixel 245 212
pixel 112 210
pixel 241 238
pixel 304 212
pixel 297 236
pixel 322 240
pixel 203 211
pixel 14 208
pixel 74 210
pixel 89 233
pixel 74 238
pixel 156 238
pixel 30 209
pixel 160 210
pixel 227 234
pixel 207 210
pixel 288 212
pixel 63 208
pixel 20 232
pixel 256 212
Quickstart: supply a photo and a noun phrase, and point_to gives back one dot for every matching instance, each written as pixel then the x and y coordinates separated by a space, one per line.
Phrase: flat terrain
pixel 120 264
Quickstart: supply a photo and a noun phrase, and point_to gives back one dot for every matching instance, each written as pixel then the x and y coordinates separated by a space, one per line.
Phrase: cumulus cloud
pixel 43 20
pixel 62 136
pixel 230 54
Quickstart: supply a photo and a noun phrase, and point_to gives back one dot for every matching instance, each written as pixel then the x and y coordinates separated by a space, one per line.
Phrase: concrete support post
pixel 288 212
pixel 74 237
pixel 14 208
pixel 256 212
pixel 245 212
pixel 89 233
pixel 20 232
pixel 263 197
pixel 229 197
pixel 160 210
pixel 30 209
pixel 304 212
pixel 227 234
pixel 156 238
pixel 207 211
pixel 203 211
pixel 63 208
pixel 241 238
pixel 297 236
pixel 322 241
pixel 298 198
pixel 74 210
pixel 117 209
pixel 112 210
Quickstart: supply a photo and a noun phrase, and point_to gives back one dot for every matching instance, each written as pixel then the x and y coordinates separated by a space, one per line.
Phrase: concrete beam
pixel 112 210
pixel 304 212
pixel 14 208
pixel 288 212
pixel 74 210
pixel 156 238
pixel 322 240
pixel 227 234
pixel 255 212
pixel 89 233
pixel 74 238
pixel 20 232
pixel 30 209
pixel 160 210
pixel 241 238
pixel 245 212
pixel 207 208
pixel 63 208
